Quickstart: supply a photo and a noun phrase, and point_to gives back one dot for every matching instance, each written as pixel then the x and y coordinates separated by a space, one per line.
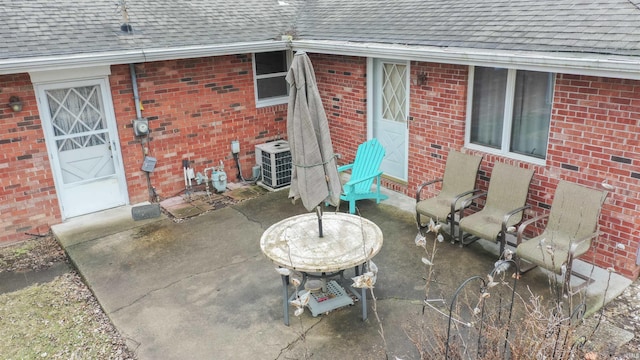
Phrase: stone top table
pixel 348 241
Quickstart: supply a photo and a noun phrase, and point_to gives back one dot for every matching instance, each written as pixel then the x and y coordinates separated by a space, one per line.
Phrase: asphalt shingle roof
pixel 598 26
pixel 45 28
pixel 63 27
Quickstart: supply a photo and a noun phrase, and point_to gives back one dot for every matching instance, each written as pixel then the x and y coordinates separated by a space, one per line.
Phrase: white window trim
pixel 507 122
pixel 274 100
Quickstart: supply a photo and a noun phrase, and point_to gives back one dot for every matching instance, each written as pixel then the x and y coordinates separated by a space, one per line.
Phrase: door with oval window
pixel 80 131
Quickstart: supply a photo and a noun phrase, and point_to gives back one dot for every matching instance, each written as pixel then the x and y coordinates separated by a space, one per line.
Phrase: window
pixel 270 70
pixel 510 111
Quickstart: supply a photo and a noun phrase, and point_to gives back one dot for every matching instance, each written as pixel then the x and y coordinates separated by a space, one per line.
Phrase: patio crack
pixel 249 218
pixel 301 338
pixel 152 291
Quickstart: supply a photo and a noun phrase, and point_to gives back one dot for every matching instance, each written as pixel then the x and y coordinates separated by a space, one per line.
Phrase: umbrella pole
pixel 319 213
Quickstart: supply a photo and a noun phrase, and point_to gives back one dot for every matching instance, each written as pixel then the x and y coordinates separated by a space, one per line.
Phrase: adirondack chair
pixel 572 223
pixel 364 170
pixel 458 184
pixel 505 204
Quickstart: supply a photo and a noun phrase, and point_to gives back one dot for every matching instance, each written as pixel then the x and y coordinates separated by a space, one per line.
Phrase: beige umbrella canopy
pixel 314 175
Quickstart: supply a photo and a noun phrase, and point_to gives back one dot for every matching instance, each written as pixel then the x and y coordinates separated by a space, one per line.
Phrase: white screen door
pixel 390 111
pixel 82 141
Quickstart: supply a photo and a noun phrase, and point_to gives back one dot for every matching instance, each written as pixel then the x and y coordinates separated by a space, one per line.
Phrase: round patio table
pixel 348 241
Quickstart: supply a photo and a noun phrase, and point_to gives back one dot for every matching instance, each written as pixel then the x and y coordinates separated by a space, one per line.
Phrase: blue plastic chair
pixel 364 170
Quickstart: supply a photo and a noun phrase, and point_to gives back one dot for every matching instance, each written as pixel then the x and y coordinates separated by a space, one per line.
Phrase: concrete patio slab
pixel 201 288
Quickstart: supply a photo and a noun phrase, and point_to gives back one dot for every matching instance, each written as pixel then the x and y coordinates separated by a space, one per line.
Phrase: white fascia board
pixel 213 50
pixel 627 67
pixel 47 63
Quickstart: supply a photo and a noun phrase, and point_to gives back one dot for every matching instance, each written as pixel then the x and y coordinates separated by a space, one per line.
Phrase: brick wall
pixel 342 83
pixel 437 118
pixel 595 129
pixel 594 137
pixel 195 109
pixel 28 203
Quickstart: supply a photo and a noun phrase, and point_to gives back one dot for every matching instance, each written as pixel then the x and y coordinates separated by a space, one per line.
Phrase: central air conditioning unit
pixel 274 159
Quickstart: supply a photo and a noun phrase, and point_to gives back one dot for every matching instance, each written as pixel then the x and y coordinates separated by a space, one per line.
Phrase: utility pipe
pixel 136 96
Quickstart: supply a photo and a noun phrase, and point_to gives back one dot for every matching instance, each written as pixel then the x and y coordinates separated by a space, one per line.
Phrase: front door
pixel 80 130
pixel 390 112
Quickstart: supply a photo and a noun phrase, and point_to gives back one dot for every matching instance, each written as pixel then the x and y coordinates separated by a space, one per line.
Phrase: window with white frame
pixel 270 70
pixel 510 111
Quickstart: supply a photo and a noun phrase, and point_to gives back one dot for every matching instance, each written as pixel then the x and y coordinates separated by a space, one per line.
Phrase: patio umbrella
pixel 314 174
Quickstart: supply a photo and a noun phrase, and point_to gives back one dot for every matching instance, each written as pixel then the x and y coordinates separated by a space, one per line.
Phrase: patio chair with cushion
pixel 572 223
pixel 364 170
pixel 505 203
pixel 458 184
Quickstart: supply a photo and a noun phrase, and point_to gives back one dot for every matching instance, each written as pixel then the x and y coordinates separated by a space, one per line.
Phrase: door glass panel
pixel 78 117
pixel 80 133
pixel 394 95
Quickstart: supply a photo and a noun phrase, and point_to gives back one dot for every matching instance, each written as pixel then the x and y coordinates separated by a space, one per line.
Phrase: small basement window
pixel 270 71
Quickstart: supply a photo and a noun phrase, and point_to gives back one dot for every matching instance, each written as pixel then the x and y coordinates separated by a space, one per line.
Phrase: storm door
pixel 390 113
pixel 81 136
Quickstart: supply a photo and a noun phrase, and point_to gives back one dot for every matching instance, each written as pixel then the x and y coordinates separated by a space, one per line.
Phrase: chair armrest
pixel 466 202
pixel 575 244
pixel 345 167
pixel 476 196
pixel 526 223
pixel 508 216
pixel 422 186
pixel 352 182
pixel 461 195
